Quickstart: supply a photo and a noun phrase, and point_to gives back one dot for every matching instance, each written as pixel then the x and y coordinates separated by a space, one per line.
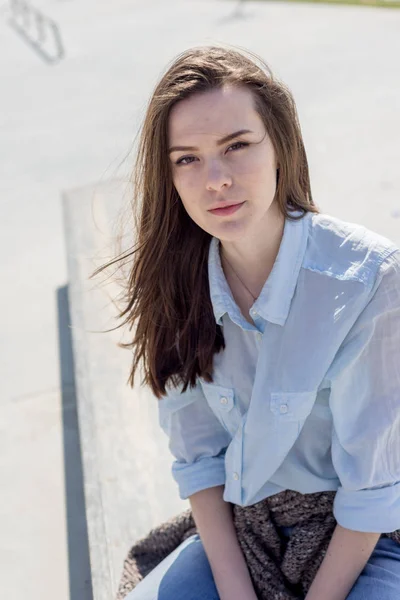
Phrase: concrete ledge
pixel 126 462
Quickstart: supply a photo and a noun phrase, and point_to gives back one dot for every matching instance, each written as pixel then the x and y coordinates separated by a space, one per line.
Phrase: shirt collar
pixel 274 301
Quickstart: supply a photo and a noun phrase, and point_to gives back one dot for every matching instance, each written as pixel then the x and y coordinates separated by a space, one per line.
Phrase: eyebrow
pixel 223 140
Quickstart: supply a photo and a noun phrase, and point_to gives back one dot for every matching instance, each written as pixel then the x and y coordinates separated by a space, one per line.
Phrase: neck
pixel 252 257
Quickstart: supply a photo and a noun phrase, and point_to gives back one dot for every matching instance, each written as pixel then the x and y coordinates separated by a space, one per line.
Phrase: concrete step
pixel 126 461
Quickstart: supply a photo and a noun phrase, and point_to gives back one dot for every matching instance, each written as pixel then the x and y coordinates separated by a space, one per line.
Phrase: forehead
pixel 216 112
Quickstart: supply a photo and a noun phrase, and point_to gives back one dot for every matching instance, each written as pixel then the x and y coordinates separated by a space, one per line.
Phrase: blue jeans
pixel 186 575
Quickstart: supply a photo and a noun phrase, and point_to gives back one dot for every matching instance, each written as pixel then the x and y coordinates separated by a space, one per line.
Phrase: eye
pixel 238 145
pixel 180 161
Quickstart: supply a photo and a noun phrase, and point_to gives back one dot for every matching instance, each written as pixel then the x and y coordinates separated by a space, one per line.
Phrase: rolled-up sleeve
pixel 197 440
pixel 365 405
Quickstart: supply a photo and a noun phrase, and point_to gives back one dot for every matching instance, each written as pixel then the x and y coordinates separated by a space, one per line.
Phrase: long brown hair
pixel 166 297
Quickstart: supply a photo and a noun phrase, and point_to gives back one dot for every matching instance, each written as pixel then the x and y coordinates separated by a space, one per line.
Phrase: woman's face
pixel 211 172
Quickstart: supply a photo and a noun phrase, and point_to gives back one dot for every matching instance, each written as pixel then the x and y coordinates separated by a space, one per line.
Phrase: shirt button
pixel 224 400
pixel 283 408
pixel 235 476
pixel 259 336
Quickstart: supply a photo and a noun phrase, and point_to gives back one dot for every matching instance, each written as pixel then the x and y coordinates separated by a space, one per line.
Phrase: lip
pixel 227 210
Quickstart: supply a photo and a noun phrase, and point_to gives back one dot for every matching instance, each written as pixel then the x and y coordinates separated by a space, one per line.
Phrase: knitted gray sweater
pixel 280 569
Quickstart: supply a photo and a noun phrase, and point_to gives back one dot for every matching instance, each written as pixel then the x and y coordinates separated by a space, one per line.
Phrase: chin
pixel 231 231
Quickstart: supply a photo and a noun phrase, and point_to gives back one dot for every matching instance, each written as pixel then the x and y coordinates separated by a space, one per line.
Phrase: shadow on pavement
pixel 78 548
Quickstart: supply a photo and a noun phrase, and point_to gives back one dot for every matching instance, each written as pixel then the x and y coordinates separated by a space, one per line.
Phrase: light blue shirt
pixel 308 399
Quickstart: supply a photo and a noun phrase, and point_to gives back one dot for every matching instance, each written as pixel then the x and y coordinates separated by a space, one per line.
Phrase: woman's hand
pixel 214 521
pixel 346 556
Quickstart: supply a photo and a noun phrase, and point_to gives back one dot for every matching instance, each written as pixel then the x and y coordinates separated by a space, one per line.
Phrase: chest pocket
pixel 222 402
pixel 291 407
pixel 272 430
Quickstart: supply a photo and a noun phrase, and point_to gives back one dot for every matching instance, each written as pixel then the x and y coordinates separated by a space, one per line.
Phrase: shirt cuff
pixel 204 473
pixel 374 510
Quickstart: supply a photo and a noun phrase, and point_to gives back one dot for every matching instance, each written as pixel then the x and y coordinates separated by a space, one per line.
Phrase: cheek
pixel 189 194
pixel 188 187
pixel 257 167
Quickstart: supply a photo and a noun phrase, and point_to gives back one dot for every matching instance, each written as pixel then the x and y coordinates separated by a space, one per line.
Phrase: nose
pixel 217 176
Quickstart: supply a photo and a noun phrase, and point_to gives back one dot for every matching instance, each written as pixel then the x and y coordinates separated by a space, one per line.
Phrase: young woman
pixel 269 332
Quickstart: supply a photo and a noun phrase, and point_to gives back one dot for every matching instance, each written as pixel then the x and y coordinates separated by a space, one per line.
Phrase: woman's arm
pixel 364 400
pixel 214 521
pixel 347 555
